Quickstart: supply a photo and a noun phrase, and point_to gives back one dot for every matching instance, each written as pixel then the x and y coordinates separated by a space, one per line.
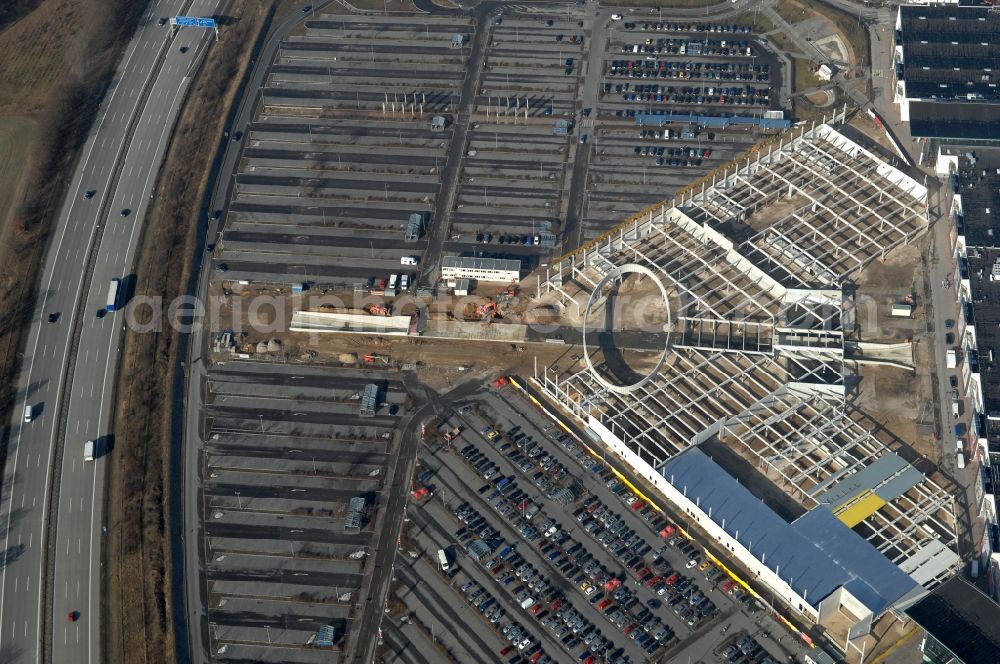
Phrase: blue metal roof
pixel 816 554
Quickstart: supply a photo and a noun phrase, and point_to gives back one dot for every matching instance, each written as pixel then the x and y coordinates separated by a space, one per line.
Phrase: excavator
pixel 377 310
pixel 488 312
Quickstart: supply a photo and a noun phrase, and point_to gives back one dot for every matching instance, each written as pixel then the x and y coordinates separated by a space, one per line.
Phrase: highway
pixel 70 363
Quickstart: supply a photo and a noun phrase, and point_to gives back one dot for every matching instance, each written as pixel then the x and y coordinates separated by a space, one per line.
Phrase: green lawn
pixel 804 78
pixel 758 21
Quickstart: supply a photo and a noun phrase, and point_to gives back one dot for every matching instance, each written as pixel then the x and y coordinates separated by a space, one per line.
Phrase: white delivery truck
pixel 443 560
pixel 408 260
pixel 88 450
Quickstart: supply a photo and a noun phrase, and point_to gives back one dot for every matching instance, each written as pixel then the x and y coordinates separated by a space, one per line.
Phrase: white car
pixel 691 563
pixel 616 17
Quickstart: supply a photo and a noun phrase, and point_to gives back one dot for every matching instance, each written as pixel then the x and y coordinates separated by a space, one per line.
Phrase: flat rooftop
pixel 975 121
pixel 962 619
pixel 476 263
pixel 949 52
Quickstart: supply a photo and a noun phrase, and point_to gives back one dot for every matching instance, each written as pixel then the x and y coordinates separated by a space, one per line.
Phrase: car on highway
pixel 616 17
pixel 89 194
pixel 162 21
pixel 54 316
pixel 73 616
pixel 126 212
pixel 183 49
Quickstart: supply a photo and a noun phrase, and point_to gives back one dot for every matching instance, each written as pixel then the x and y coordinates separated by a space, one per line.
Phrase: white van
pixel 88 451
pixel 443 560
pixel 408 260
pixel 27 413
pixel 404 282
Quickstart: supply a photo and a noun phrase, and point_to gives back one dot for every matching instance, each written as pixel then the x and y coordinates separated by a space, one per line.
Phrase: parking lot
pixel 285 453
pixel 342 150
pixel 518 136
pixel 668 71
pixel 553 556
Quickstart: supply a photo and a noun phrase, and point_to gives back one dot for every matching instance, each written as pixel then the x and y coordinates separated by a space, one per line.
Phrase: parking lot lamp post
pixel 268 629
pixel 261 418
pixel 238 501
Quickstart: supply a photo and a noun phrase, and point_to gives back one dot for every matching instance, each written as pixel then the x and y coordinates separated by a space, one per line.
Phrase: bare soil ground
pixel 138 550
pixel 898 403
pixel 17 138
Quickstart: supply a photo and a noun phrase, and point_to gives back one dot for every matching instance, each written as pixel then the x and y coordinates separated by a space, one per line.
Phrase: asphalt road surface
pixel 70 364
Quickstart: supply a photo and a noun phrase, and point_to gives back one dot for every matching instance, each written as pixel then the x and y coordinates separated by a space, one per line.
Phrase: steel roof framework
pixel 759 357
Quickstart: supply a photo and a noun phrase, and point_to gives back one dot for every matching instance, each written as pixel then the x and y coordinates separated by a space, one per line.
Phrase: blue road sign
pixel 195 22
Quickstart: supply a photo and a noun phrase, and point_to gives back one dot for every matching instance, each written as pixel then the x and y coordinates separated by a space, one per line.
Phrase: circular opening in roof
pixel 633 310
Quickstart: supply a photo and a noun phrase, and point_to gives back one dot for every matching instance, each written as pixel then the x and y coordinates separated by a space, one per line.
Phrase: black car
pixel 162 21
pixel 101 312
pixel 90 194
pixel 54 316
pixel 183 49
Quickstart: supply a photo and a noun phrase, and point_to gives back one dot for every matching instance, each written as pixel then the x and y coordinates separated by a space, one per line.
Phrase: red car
pixel 506 651
pixel 638 505
pixel 630 628
pixel 500 382
pixel 534 658
pixel 643 573
pixel 603 604
pixel 420 493
pixel 672 579
pixel 668 530
pixel 652 582
pixel 496 570
pixel 536 609
pixel 556 605
pixel 613 583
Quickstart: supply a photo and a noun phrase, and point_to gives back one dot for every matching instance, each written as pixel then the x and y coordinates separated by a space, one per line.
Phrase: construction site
pixel 760 366
pixel 741 318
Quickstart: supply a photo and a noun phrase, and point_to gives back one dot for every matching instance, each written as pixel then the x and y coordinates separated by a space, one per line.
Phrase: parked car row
pixel 745 650
pixel 486 238
pixel 722 71
pixel 706 47
pixel 689 27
